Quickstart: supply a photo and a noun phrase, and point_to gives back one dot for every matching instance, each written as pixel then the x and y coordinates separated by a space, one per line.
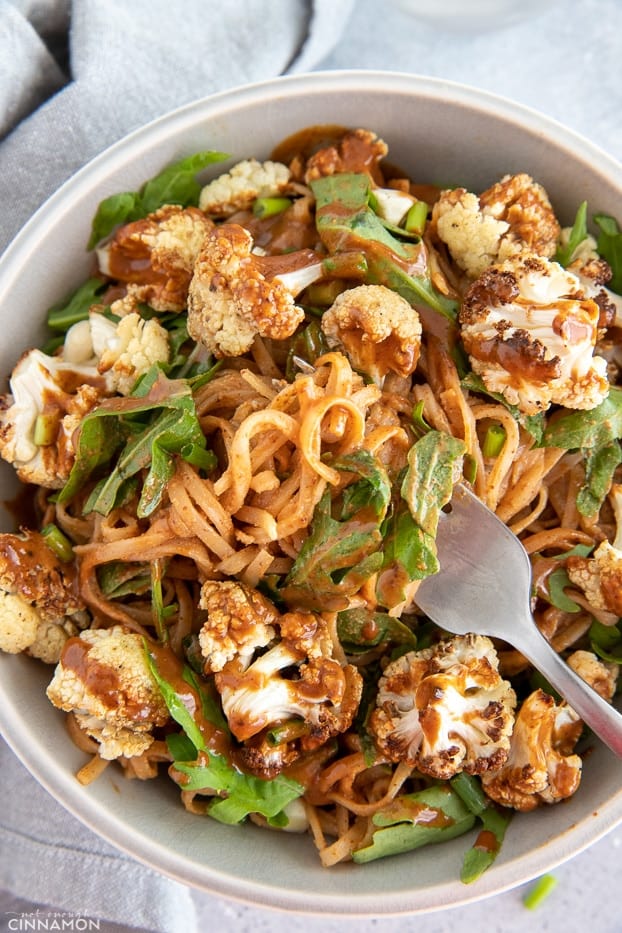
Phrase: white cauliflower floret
pixel 39 605
pixel 530 333
pixel 511 217
pixel 103 679
pixel 379 330
pixel 445 709
pixel 540 767
pixel 283 671
pixel 155 256
pixel 135 346
pixel 240 186
pixel 48 399
pixel 392 204
pixel 600 577
pixel 602 676
pixel 235 295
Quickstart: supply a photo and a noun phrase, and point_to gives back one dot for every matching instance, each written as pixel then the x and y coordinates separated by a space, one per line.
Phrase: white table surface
pixel 567 63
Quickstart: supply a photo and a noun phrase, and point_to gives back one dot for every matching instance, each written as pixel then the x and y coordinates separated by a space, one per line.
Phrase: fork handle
pixel 602 718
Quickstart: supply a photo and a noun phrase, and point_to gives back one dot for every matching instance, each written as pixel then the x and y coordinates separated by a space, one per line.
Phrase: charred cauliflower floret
pixel 602 676
pixel 238 188
pixel 445 709
pixel 599 576
pixel 104 680
pixel 379 330
pixel 234 295
pixel 511 217
pixel 155 256
pixel 48 399
pixel 358 151
pixel 540 767
pixel 39 604
pixel 274 670
pixel 530 333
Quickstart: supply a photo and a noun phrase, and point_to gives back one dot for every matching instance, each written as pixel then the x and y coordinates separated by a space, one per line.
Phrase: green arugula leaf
pixel 360 629
pixel 409 554
pixel 75 307
pixel 118 579
pixel 174 425
pixel 347 224
pixel 176 704
pixel 557 581
pixel 606 641
pixel 598 427
pixel 434 467
pixel 600 466
pixel 176 184
pixel 577 236
pixel 341 553
pixel 609 246
pixel 434 814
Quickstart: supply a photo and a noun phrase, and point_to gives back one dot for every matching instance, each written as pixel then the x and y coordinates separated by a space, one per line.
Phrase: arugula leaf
pixel 346 223
pixel 583 429
pixel 409 554
pixel 119 578
pixel 201 769
pixel 558 580
pixel 606 641
pixel 434 467
pixel 75 307
pixel 600 466
pixel 577 236
pixel 176 184
pixel 173 425
pixel 361 629
pixel 341 553
pixel 434 814
pixel 609 246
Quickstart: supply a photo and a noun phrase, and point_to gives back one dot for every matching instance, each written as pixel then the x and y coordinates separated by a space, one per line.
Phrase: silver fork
pixel 484 586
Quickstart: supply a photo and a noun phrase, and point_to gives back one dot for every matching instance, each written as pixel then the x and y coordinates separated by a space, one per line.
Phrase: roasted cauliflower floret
pixel 511 217
pixel 283 673
pixel 240 186
pixel 530 333
pixel 602 676
pixel 136 345
pixel 540 767
pixel 39 603
pixel 445 709
pixel 155 256
pixel 104 680
pixel 48 399
pixel 234 295
pixel 358 151
pixel 377 328
pixel 600 577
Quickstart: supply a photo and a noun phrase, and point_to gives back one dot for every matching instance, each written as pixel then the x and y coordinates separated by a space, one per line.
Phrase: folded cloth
pixel 127 64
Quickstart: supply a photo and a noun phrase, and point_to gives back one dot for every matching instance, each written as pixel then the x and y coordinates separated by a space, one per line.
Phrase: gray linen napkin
pixel 127 63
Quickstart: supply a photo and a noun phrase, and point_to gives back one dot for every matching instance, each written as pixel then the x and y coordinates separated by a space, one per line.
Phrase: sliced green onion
pixel 494 441
pixel 287 731
pixel 158 611
pixel 268 207
pixel 416 217
pixel 58 542
pixel 470 469
pixel 421 425
pixel 199 457
pixel 540 891
pixel 324 293
pixel 469 789
pixel 46 429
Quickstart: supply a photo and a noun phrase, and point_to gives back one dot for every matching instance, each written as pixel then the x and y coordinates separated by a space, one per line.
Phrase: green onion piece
pixel 287 731
pixel 540 891
pixel 58 542
pixel 469 789
pixel 416 217
pixel 493 441
pixel 46 429
pixel 158 611
pixel 199 457
pixel 470 469
pixel 268 207
pixel 324 293
pixel 421 425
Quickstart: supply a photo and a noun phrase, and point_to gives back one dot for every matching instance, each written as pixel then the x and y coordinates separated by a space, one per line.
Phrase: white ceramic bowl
pixel 440 132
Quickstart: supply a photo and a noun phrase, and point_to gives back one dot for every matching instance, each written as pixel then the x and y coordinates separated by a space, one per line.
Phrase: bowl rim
pixel 42 765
